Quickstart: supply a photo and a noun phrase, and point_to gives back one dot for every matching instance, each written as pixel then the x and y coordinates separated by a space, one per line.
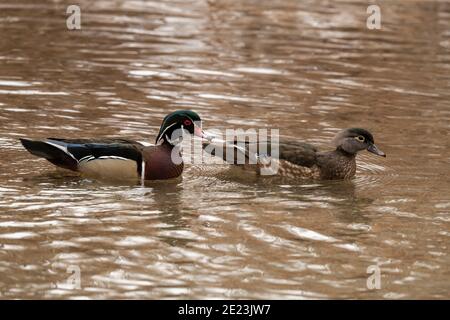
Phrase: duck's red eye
pixel 187 122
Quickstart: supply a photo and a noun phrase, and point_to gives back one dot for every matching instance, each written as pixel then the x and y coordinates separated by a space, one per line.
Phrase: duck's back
pixel 299 153
pixel 293 158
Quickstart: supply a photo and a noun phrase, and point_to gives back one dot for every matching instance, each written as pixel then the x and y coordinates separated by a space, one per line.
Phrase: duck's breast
pixel 162 163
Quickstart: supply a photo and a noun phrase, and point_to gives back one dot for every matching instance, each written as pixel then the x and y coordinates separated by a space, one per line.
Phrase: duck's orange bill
pixel 199 132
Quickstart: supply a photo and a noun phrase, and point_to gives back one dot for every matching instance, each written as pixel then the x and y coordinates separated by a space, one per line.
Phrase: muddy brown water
pixel 308 68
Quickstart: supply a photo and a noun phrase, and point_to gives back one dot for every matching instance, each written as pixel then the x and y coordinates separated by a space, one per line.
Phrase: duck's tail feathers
pixel 56 153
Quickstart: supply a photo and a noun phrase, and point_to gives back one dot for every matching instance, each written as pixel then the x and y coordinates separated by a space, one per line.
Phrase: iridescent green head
pixel 180 119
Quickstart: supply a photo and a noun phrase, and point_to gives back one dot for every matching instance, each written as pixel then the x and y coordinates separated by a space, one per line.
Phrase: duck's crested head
pixel 353 140
pixel 180 119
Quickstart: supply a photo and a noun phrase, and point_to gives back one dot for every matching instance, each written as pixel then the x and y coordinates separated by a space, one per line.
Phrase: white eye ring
pixel 360 138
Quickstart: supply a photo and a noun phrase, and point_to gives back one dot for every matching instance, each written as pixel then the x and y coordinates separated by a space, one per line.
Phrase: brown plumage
pixel 297 159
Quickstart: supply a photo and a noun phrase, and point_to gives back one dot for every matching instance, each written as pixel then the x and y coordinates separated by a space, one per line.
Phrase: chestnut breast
pixel 159 164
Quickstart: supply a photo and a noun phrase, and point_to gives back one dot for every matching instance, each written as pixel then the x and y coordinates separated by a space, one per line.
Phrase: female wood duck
pixel 298 159
pixel 121 158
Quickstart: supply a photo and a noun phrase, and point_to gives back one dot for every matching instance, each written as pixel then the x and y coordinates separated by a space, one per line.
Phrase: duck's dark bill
pixel 373 148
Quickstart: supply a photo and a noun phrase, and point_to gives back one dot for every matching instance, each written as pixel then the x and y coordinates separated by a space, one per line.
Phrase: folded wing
pixel 85 155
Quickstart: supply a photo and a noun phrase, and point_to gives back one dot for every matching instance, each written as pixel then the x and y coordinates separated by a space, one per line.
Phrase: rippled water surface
pixel 308 68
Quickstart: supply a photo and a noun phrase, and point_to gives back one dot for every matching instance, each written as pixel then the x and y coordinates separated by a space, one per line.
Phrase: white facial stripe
pixel 169 140
pixel 163 133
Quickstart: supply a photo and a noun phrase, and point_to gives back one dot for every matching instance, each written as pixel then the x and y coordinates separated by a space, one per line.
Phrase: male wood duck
pixel 121 158
pixel 298 159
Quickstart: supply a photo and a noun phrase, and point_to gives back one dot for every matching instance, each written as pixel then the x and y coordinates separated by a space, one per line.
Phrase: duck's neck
pixel 173 149
pixel 165 143
pixel 341 152
pixel 340 164
pixel 166 135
